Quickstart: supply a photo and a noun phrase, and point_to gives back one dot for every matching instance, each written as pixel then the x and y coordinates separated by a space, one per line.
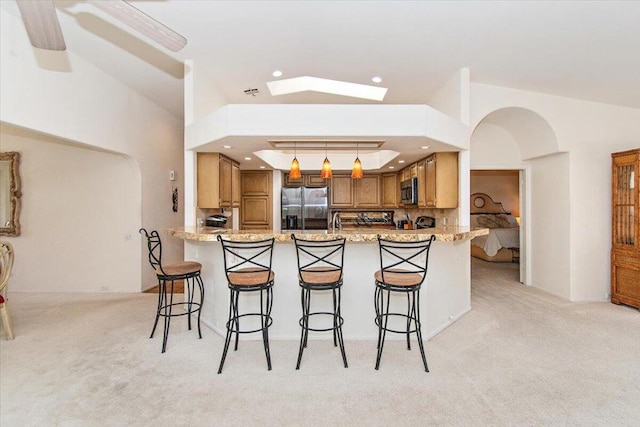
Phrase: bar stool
pixel 320 269
pixel 403 267
pixel 247 266
pixel 188 272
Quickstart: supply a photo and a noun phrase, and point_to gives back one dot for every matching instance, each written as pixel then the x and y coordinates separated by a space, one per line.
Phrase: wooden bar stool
pixel 320 269
pixel 188 272
pixel 403 267
pixel 247 266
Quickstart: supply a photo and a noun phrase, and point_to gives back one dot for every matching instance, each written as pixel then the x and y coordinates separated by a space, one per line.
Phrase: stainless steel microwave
pixel 409 191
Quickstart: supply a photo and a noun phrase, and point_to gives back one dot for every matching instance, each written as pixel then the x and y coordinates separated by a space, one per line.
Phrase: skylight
pixel 334 87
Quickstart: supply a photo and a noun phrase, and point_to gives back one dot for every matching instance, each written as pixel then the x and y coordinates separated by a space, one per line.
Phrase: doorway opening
pixel 497 203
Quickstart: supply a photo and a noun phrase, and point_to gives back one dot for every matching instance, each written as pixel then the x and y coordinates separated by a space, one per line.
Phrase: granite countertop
pixel 443 234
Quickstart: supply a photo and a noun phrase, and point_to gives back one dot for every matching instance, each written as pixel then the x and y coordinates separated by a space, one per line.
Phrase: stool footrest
pixel 325 313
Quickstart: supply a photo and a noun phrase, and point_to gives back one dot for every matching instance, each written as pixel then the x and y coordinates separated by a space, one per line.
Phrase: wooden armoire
pixel 625 248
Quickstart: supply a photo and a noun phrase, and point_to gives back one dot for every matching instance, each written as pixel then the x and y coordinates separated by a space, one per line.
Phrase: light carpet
pixel 520 357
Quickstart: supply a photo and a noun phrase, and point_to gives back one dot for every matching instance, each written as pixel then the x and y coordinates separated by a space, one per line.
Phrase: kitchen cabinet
pixel 308 180
pixel 390 193
pixel 367 192
pixel 625 248
pixel 256 201
pixel 347 192
pixel 214 180
pixel 422 183
pixel 441 180
pixel 235 185
pixel 342 191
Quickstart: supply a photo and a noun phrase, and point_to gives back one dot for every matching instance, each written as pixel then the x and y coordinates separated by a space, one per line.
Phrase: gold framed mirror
pixel 10 193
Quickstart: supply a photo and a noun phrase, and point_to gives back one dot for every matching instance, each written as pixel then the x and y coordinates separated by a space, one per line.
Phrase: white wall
pixel 550 222
pixel 589 132
pixel 75 214
pixel 63 96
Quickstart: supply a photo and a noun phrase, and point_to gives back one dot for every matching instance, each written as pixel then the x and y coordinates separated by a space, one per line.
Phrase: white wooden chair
pixel 6 262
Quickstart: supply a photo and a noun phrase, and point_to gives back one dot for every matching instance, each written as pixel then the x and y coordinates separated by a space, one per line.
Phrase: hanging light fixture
pixel 356 171
pixel 294 171
pixel 326 165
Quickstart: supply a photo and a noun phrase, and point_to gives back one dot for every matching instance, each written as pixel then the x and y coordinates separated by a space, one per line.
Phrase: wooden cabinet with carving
pixel 625 248
pixel 214 180
pixel 256 204
pixel 441 180
pixel 315 180
pixel 390 193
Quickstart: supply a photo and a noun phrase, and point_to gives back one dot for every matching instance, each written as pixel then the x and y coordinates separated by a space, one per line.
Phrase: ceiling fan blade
pixel 41 21
pixel 142 23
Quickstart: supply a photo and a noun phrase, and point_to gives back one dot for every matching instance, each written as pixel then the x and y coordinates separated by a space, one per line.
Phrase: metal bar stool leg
pixel 167 316
pixel 237 321
pixel 190 289
pixel 265 325
pixel 416 295
pixel 408 321
pixel 201 286
pixel 384 328
pixel 338 330
pixel 230 325
pixel 161 285
pixel 303 323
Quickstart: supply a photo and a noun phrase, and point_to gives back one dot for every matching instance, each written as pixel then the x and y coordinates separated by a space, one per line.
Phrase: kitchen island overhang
pixel 445 295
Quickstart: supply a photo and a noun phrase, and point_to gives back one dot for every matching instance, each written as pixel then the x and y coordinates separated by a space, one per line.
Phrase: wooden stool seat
pixel 250 277
pixel 397 277
pixel 182 268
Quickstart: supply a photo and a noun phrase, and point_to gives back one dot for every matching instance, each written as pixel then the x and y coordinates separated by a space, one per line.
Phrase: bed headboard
pixel 482 203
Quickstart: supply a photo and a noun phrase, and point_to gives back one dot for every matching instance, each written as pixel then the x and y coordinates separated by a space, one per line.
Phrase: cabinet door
pixel 208 180
pixel 430 181
pixel 624 202
pixel 235 185
pixel 225 182
pixel 341 191
pixel 422 181
pixel 368 192
pixel 288 182
pixel 255 183
pixel 315 181
pixel 256 210
pixel 390 190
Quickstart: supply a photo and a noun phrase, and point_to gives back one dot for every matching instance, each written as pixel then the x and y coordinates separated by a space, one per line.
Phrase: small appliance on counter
pixel 215 221
pixel 425 222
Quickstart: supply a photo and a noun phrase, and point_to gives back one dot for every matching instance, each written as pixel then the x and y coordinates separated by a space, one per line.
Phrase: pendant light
pixel 356 171
pixel 294 171
pixel 326 165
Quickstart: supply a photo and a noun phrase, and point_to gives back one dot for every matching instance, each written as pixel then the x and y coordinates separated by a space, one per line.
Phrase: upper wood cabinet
pixel 625 249
pixel 390 193
pixel 308 180
pixel 214 180
pixel 367 191
pixel 422 183
pixel 235 185
pixel 441 176
pixel 342 191
pixel 347 192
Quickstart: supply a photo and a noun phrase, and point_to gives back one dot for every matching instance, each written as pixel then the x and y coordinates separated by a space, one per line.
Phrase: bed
pixel 502 244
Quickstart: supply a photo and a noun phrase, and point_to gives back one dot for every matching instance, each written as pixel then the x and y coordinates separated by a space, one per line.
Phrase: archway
pixel 516 138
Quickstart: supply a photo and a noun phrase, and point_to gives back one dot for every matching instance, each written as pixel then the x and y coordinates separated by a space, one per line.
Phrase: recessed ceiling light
pixel 226 146
pixel 392 167
pixel 377 79
pixel 425 147
pixel 262 167
pixel 247 158
pixel 400 161
pixel 277 73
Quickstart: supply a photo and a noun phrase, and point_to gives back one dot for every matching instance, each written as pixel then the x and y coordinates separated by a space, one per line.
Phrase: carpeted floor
pixel 520 357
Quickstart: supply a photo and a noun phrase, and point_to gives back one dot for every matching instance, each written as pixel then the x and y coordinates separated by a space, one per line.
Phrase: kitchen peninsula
pixel 445 296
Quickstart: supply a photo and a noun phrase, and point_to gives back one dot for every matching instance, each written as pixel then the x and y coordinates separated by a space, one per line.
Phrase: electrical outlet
pixel 172 175
pixel 127 236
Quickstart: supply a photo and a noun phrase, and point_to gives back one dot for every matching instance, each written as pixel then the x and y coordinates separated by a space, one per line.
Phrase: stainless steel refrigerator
pixel 305 208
